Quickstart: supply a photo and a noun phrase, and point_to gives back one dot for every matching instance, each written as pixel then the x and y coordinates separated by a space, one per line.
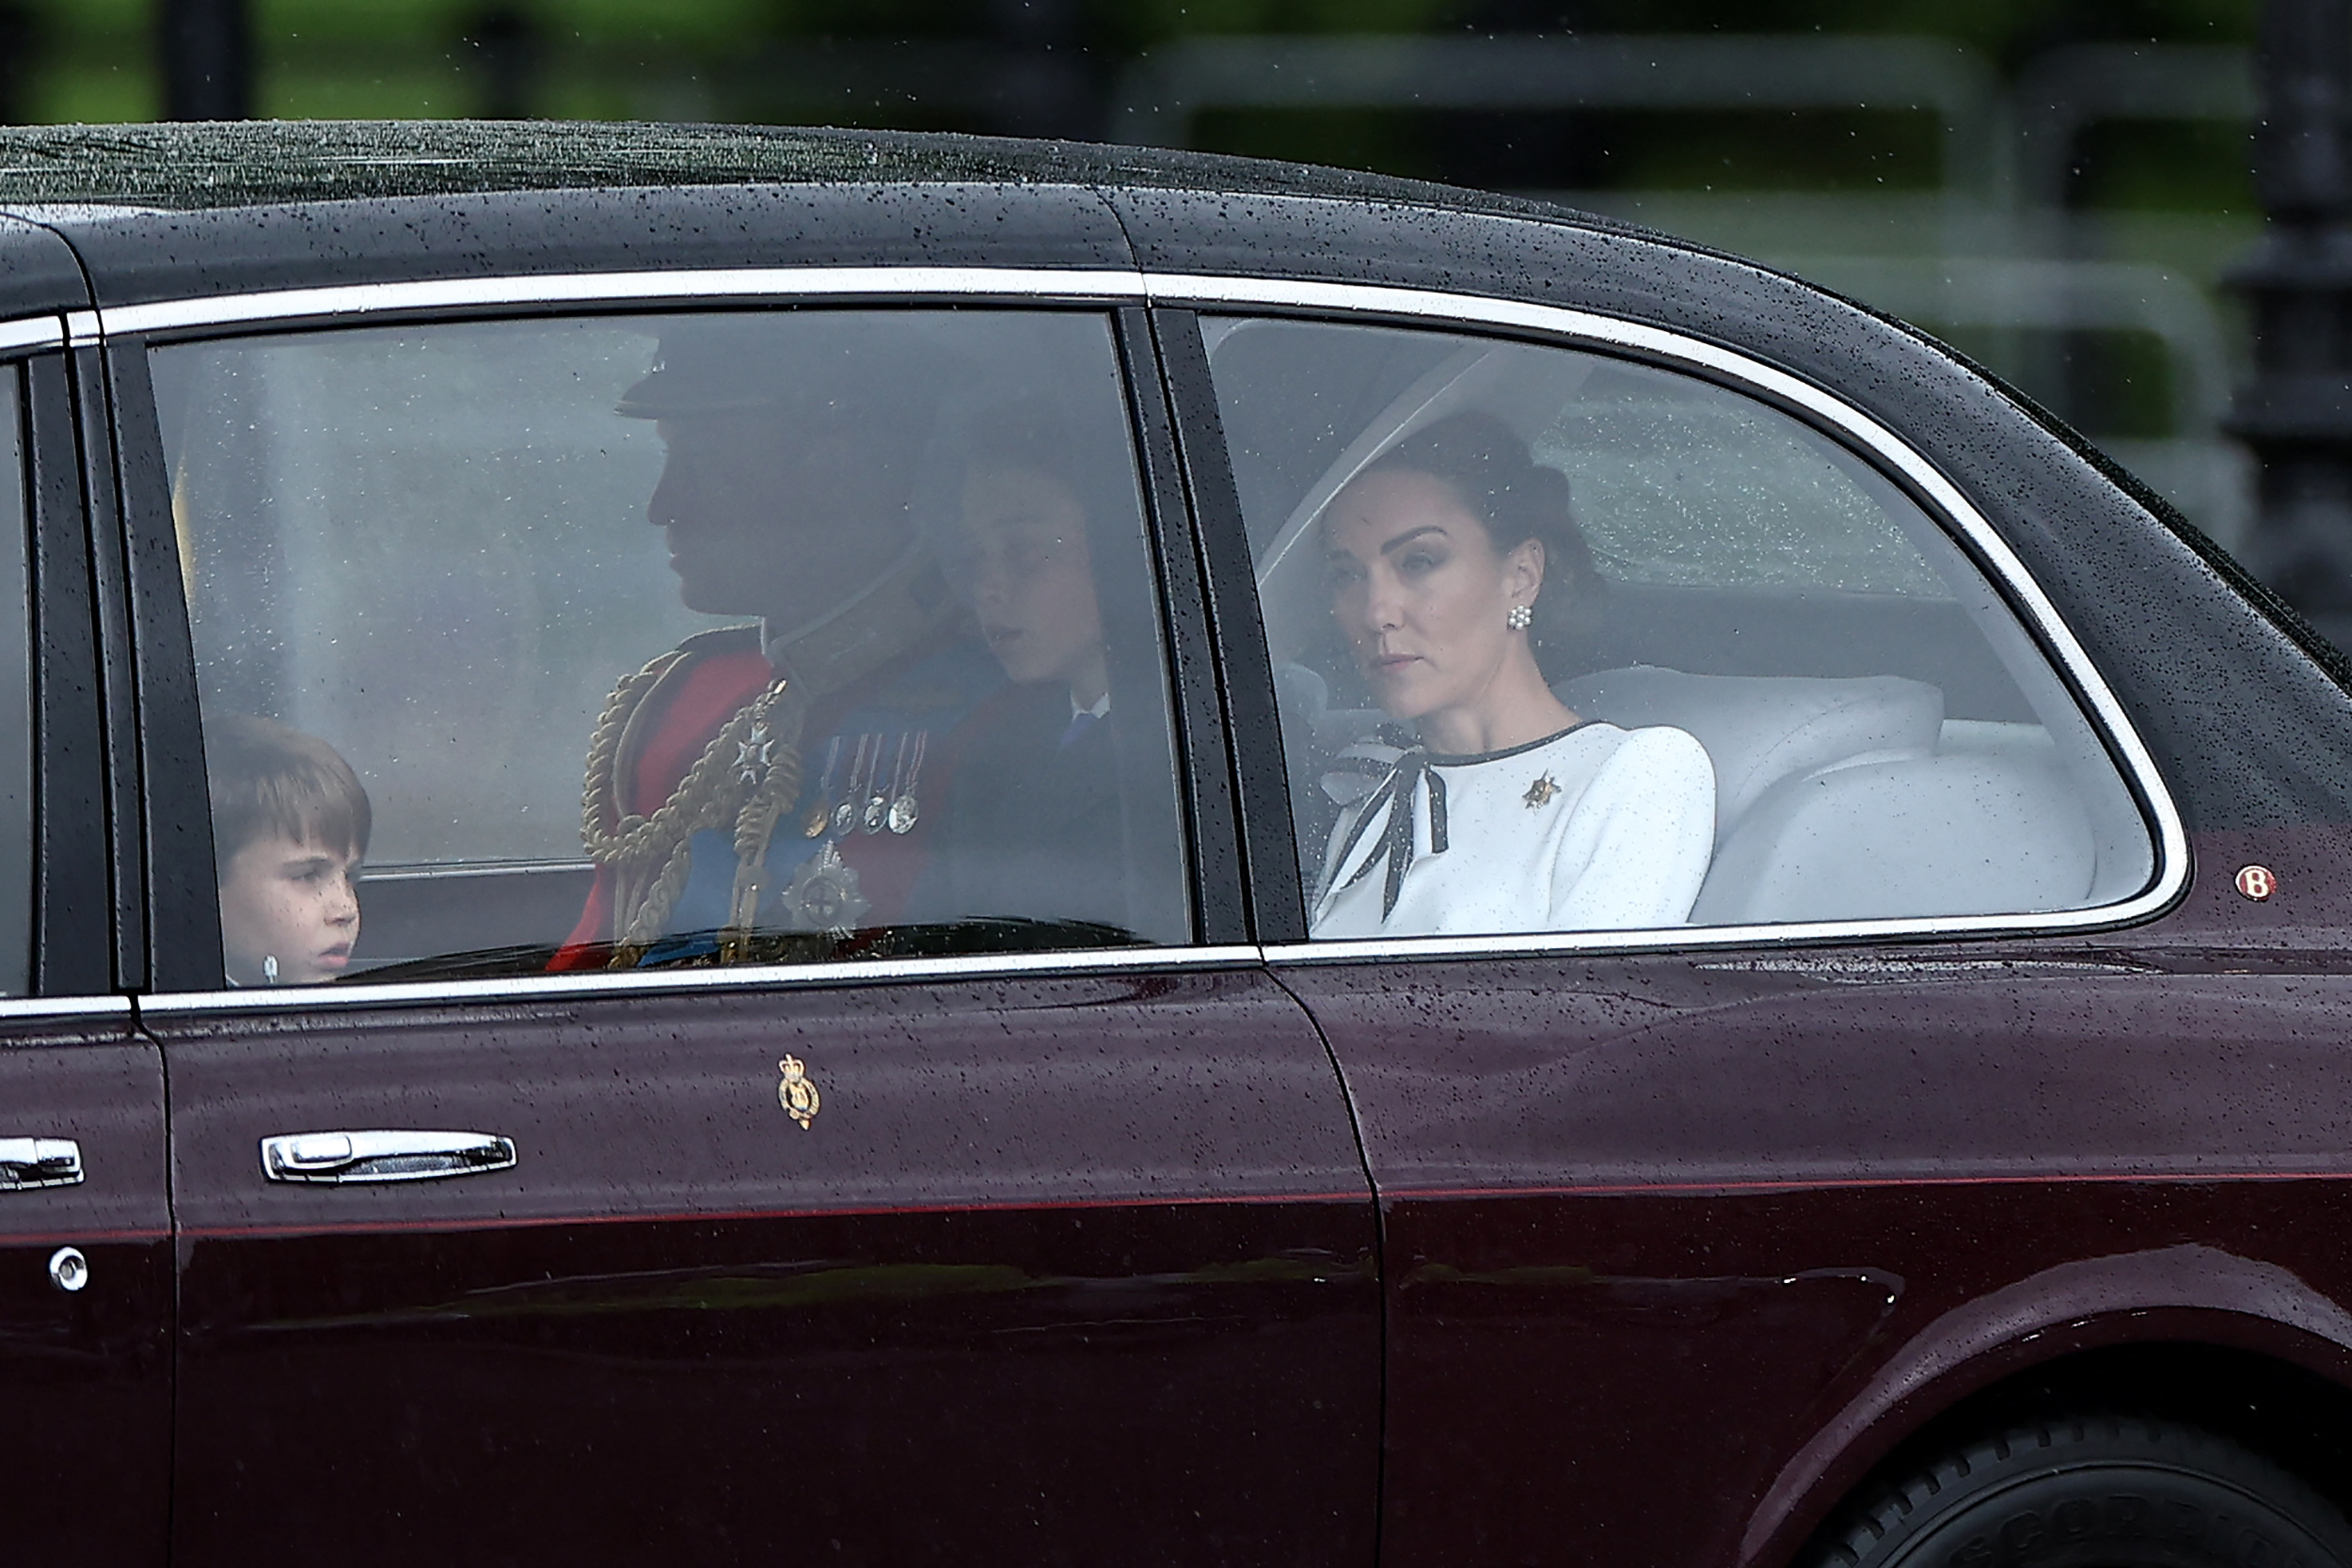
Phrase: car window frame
pixel 1867 440
pixel 75 916
pixel 184 913
pixel 1246 751
pixel 81 920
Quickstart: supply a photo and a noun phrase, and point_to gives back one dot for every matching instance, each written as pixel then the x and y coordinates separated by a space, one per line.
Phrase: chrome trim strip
pixel 556 988
pixel 35 1007
pixel 32 332
pixel 2172 858
pixel 82 329
pixel 1107 285
pixel 652 288
pixel 1695 938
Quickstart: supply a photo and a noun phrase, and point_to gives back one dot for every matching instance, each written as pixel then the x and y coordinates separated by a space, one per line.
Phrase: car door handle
pixel 39 1163
pixel 382 1156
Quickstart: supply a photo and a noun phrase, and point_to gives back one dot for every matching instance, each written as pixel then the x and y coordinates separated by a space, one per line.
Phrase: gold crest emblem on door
pixel 798 1091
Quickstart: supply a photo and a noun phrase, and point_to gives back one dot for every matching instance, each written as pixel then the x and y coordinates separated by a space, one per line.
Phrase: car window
pixel 1565 642
pixel 16 708
pixel 627 641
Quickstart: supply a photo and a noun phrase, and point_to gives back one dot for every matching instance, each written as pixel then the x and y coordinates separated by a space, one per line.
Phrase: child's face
pixel 1022 555
pixel 292 900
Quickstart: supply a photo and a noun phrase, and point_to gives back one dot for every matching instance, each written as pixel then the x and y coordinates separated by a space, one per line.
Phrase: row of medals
pixel 865 805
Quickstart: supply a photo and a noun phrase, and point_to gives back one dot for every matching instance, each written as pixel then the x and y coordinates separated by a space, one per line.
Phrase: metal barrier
pixel 1159 95
pixel 2059 93
pixel 1999 145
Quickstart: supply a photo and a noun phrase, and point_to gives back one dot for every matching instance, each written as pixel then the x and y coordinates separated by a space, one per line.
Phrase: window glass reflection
pixel 827 705
pixel 1567 643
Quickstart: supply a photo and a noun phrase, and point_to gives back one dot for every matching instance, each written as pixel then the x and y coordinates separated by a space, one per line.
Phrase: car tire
pixel 2094 1492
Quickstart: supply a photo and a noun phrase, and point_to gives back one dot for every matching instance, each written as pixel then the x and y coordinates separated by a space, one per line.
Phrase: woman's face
pixel 1020 556
pixel 1420 592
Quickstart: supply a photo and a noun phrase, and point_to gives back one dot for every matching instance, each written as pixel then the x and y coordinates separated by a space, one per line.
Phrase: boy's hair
pixel 266 779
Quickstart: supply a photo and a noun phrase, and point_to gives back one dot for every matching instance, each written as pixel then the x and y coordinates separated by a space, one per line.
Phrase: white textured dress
pixel 1594 829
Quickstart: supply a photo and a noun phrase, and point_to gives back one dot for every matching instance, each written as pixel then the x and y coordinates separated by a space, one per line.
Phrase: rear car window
pixel 627 641
pixel 1565 642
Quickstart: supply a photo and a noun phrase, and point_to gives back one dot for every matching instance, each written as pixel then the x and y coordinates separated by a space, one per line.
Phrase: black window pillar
pixel 208 58
pixel 2297 415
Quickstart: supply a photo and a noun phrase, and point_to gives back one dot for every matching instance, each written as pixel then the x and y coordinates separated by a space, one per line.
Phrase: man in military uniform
pixel 762 790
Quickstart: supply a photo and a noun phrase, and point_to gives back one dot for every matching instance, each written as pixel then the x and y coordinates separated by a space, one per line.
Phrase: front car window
pixel 628 642
pixel 1568 643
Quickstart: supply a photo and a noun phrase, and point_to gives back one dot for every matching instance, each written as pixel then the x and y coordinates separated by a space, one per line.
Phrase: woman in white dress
pixel 1455 567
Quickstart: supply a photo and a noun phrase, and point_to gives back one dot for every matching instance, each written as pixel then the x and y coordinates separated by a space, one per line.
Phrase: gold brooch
pixel 798 1092
pixel 1539 794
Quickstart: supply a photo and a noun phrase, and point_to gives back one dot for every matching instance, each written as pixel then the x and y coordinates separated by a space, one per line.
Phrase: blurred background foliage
pixel 2059 186
pixel 95 60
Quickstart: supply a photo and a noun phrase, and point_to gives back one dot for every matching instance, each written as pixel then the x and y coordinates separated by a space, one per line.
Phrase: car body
pixel 1215 1242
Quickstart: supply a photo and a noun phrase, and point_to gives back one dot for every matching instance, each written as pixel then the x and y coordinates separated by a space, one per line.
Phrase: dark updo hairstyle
pixel 1490 469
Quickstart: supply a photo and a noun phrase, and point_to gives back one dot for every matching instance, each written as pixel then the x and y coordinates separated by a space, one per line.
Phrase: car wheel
pixel 2094 1492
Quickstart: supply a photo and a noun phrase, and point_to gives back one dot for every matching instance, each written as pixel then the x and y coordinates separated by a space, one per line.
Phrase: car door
pixel 1672 1213
pixel 1021 1220
pixel 85 1297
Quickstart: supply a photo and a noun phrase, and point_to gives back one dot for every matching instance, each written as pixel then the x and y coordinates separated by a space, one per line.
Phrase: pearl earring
pixel 1521 617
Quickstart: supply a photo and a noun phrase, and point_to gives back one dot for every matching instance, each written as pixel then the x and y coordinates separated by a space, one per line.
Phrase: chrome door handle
pixel 382 1156
pixel 39 1163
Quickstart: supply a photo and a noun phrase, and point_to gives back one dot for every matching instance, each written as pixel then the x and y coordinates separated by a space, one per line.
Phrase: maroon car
pixel 724 845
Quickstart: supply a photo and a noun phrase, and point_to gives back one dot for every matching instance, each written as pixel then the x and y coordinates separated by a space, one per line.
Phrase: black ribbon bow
pixel 1391 805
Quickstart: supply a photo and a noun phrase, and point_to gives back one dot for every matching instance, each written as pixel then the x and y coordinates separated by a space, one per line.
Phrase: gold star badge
pixel 1539 794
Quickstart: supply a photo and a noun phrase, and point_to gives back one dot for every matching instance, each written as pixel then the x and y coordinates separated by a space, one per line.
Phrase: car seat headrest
pixel 1761 729
pixel 1943 835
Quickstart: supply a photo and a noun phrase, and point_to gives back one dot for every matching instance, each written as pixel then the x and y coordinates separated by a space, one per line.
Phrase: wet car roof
pixel 244 164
